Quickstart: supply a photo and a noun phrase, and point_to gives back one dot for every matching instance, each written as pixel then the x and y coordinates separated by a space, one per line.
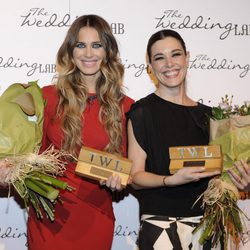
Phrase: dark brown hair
pixel 160 35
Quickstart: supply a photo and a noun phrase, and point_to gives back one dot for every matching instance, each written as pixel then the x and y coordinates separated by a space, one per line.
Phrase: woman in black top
pixel 163 119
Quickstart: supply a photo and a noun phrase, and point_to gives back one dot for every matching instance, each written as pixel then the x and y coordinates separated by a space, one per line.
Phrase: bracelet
pixel 163 180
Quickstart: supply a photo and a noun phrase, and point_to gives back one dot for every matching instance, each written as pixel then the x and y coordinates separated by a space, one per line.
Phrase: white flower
pixel 224 106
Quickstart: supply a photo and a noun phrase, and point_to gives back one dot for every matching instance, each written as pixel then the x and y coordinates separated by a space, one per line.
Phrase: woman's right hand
pixel 113 183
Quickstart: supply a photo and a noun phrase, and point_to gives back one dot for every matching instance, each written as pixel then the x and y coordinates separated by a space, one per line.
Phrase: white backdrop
pixel 217 34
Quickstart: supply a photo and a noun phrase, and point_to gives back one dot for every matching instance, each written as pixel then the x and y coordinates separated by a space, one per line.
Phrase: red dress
pixel 86 219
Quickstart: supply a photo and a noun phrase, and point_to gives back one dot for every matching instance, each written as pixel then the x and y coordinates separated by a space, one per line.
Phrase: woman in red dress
pixel 87 106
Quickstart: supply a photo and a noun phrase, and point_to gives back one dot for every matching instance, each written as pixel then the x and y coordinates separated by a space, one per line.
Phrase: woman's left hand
pixel 241 180
pixel 113 183
pixel 4 172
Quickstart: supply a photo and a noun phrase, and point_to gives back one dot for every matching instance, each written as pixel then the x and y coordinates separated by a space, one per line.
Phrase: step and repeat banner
pixel 217 35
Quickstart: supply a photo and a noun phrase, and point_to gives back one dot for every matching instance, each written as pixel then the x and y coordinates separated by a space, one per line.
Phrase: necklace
pixel 91 98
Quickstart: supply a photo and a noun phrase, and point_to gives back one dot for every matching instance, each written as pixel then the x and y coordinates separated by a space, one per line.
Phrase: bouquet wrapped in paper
pixel 229 127
pixel 21 119
pixel 31 174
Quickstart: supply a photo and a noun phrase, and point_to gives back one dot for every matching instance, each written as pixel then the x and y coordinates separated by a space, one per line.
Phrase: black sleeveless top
pixel 159 124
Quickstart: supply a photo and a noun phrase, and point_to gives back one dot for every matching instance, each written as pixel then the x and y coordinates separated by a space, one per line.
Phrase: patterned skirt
pixel 170 233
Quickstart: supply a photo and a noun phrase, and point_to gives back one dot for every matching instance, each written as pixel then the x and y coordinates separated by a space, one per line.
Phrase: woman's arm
pixel 142 179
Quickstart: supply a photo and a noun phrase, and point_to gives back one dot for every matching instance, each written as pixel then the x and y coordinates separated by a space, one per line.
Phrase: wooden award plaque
pixel 99 165
pixel 209 157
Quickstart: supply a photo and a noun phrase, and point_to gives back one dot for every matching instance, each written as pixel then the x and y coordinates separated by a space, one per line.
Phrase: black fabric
pixel 173 236
pixel 158 125
pixel 148 235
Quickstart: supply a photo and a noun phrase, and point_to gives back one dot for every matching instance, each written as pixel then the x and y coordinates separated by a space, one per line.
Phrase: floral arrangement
pixel 33 175
pixel 229 127
pixel 226 109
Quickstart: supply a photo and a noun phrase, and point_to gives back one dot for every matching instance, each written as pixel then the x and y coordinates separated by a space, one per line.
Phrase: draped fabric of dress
pixel 86 213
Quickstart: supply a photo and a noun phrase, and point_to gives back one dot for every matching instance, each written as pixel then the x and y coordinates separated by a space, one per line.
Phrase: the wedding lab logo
pixel 30 67
pixel 40 17
pixel 204 62
pixel 173 19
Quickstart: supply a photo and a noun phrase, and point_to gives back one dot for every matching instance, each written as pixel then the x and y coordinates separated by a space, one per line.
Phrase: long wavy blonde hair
pixel 73 94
